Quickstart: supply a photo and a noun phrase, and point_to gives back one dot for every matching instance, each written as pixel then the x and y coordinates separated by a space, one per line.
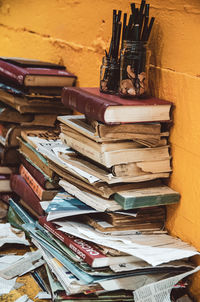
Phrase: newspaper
pixel 153 248
pixel 160 291
pixel 21 266
pixel 6 285
pixel 24 298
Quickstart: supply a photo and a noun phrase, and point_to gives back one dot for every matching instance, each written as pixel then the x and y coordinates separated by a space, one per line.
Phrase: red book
pixel 112 109
pixel 24 73
pixel 84 249
pixel 42 179
pixel 21 188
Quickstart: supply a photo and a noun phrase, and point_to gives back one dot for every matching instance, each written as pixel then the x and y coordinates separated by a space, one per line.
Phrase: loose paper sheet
pixel 24 298
pixel 26 263
pixel 154 249
pixel 6 285
pixel 160 291
pixel 9 234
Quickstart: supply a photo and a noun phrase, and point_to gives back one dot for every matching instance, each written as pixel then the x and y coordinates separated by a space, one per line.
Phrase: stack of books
pixel 103 235
pixel 30 98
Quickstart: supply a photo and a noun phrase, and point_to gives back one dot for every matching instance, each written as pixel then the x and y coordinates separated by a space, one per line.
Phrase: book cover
pixel 111 109
pixel 41 193
pixel 65 205
pixel 20 187
pixel 8 156
pixel 37 173
pixel 23 74
pixel 146 197
pixel 35 157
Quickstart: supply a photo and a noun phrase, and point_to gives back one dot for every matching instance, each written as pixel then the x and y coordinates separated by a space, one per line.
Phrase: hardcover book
pixel 31 104
pixel 34 74
pixel 111 109
pixel 8 156
pixel 21 188
pixel 41 193
pixel 32 155
pixel 45 181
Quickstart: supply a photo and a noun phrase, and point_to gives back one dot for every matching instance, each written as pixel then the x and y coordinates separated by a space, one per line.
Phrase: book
pixel 96 202
pixel 5 183
pixel 109 154
pixel 87 251
pixel 146 197
pixel 27 74
pixel 37 137
pixel 100 188
pixel 65 205
pixel 45 181
pixel 10 115
pixel 149 133
pixel 21 188
pixel 131 172
pixel 144 220
pixel 26 150
pixel 41 193
pixel 110 109
pixel 8 156
pixel 7 170
pixel 142 168
pixel 31 104
pixel 140 220
pixel 10 132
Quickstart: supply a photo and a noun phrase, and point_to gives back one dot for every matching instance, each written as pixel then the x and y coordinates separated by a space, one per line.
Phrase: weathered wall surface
pixel 76 33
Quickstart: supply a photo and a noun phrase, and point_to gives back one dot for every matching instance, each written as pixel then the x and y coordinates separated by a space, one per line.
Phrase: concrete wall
pixel 76 33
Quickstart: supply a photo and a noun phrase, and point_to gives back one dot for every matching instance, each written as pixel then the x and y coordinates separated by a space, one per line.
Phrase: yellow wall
pixel 76 33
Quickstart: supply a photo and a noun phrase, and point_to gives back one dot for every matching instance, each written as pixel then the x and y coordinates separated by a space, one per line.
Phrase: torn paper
pixel 26 263
pixel 154 249
pixel 6 285
pixel 160 291
pixel 9 234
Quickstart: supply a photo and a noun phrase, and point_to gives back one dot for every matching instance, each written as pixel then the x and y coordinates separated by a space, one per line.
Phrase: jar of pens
pixel 128 75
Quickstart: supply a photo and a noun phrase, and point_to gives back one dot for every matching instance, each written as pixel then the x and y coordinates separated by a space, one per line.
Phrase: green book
pixel 146 197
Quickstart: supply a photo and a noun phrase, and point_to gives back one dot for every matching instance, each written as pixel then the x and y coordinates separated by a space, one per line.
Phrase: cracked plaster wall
pixel 76 33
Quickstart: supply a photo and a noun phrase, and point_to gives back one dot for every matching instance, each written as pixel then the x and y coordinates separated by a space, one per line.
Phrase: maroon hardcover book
pixel 21 188
pixel 27 74
pixel 38 175
pixel 112 109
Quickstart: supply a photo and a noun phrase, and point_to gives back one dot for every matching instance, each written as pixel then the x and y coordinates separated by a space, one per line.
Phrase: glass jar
pixel 109 75
pixel 134 66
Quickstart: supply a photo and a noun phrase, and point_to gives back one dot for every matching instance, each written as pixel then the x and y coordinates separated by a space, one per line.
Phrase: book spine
pixel 20 187
pixel 41 179
pixel 38 190
pixel 82 248
pixel 93 107
pixel 10 72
